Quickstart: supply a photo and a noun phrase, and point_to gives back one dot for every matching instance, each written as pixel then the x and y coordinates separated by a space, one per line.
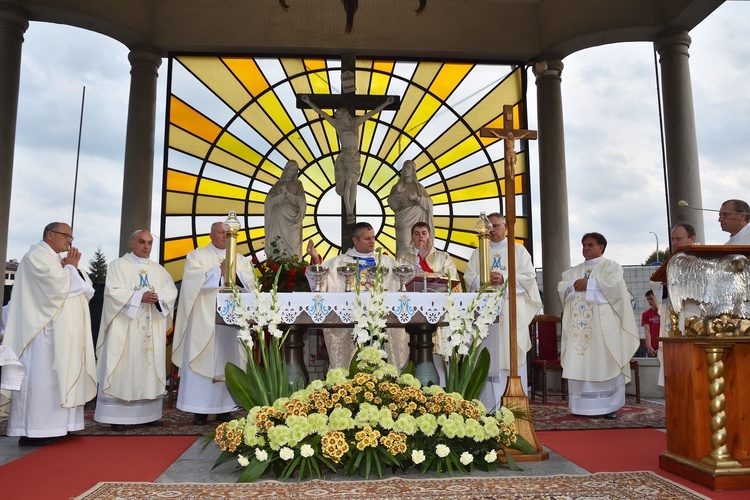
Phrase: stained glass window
pixel 233 124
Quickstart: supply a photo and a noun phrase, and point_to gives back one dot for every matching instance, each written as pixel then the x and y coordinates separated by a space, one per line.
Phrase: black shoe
pixel 155 423
pixel 200 419
pixel 611 416
pixel 118 427
pixel 35 442
pixel 224 417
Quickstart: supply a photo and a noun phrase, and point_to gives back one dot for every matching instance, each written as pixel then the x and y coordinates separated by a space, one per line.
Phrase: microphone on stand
pixel 684 204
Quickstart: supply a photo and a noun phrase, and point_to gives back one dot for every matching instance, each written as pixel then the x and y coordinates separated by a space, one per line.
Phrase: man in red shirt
pixel 650 322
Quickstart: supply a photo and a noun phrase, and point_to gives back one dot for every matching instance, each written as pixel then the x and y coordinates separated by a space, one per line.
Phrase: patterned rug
pixel 549 417
pixel 557 417
pixel 624 486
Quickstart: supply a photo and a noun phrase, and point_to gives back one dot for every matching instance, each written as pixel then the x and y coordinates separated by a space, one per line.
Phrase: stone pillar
pixel 138 170
pixel 553 185
pixel 683 171
pixel 13 24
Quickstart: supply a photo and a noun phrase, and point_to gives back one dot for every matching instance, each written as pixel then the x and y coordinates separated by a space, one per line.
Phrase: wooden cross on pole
pixel 348 163
pixel 509 135
pixel 514 395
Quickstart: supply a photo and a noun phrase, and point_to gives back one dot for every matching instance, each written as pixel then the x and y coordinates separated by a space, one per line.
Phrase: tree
pixel 98 267
pixel 663 254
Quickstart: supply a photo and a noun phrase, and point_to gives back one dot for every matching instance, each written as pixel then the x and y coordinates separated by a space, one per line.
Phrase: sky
pixel 612 138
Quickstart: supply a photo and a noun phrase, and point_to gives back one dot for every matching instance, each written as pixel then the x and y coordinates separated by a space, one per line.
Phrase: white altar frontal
pixel 419 313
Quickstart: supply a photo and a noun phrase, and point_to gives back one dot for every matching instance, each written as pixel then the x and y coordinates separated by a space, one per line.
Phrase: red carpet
pixel 621 450
pixel 73 465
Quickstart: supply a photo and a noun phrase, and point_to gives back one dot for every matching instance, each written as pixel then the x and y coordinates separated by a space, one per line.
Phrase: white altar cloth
pixel 336 309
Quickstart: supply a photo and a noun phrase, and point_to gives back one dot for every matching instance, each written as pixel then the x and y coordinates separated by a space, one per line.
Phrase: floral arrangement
pixel 369 316
pixel 466 367
pixel 287 272
pixel 364 424
pixel 265 381
pixel 365 419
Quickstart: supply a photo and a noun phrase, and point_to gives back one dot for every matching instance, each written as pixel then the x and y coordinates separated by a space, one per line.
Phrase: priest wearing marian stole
pixel 528 303
pixel 49 328
pixel 139 298
pixel 339 342
pixel 201 348
pixel 599 333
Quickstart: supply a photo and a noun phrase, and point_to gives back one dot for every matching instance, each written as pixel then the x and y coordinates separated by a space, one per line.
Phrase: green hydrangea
pixel 278 436
pixel 427 424
pixel 406 424
pixel 341 419
pixel 410 380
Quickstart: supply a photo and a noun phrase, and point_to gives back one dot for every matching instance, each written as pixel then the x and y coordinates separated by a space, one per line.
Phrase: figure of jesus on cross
pixel 348 164
pixel 346 123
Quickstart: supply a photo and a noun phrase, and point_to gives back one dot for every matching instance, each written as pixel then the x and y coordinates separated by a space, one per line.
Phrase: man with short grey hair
pixel 49 329
pixel 734 217
pixel 139 298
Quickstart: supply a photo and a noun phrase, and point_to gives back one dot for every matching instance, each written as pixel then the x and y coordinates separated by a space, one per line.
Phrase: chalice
pixel 404 272
pixel 347 272
pixel 318 273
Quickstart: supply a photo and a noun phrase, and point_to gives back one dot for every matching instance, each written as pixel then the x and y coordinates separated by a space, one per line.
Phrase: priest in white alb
pixel 339 342
pixel 201 348
pixel 599 332
pixel 139 297
pixel 528 303
pixel 49 328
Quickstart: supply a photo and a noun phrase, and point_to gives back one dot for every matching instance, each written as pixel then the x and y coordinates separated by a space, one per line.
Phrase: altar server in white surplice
pixel 528 303
pixel 599 333
pixel 49 328
pixel 139 298
pixel 339 342
pixel 201 348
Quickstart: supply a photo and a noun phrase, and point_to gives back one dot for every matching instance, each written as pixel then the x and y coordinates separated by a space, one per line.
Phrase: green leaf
pixel 523 445
pixel 254 470
pixel 478 376
pixel 511 463
pixel 409 369
pixel 225 456
pixel 239 385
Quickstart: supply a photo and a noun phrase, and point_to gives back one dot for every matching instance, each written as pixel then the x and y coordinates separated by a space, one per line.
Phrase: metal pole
pixel 78 157
pixel 656 259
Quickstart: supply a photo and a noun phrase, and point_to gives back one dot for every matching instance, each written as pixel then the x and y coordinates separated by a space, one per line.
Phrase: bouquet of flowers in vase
pixel 288 273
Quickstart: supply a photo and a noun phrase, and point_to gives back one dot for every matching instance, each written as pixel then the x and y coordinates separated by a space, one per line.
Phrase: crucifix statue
pixel 347 125
pixel 514 396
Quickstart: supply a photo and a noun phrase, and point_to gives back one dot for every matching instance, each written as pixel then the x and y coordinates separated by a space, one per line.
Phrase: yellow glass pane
pixel 216 188
pixel 180 181
pixel 248 73
pixel 174 249
pixel 191 120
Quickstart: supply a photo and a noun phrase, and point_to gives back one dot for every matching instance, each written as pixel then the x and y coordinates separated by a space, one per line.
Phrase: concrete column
pixel 683 171
pixel 13 24
pixel 138 172
pixel 553 185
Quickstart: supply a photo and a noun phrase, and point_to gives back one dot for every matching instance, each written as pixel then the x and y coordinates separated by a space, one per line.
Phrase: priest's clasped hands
pixel 73 257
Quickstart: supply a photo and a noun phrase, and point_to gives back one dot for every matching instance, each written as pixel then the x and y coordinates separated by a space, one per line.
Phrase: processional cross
pixel 346 122
pixel 514 395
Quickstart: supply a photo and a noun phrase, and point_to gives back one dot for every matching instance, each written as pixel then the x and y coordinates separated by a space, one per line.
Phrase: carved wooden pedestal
pixel 708 410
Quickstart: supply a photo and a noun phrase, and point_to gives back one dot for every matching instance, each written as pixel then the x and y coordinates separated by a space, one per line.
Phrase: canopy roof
pixel 479 30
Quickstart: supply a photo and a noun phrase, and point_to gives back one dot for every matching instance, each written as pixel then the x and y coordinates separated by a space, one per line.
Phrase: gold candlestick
pixel 231 227
pixel 483 228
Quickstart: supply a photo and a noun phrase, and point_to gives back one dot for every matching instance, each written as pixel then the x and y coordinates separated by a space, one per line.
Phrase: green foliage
pixel 98 267
pixel 289 271
pixel 663 255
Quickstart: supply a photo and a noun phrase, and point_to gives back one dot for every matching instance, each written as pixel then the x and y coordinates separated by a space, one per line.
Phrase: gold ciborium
pixel 347 272
pixel 318 273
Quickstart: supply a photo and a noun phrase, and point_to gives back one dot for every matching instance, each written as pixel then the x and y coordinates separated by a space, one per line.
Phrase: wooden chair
pixel 546 356
pixel 636 380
